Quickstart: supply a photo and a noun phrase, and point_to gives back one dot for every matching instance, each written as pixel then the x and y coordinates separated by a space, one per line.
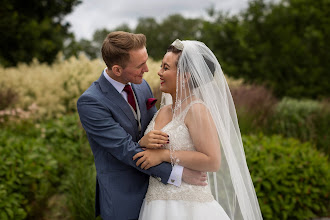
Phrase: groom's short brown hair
pixel 117 45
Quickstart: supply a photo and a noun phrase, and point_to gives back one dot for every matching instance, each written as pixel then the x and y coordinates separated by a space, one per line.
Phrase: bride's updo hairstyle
pixel 174 50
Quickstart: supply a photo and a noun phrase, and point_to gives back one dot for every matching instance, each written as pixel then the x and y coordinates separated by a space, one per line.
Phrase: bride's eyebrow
pixel 166 64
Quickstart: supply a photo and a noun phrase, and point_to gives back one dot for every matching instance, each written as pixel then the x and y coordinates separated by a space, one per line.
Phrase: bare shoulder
pixel 197 112
pixel 165 109
pixel 198 108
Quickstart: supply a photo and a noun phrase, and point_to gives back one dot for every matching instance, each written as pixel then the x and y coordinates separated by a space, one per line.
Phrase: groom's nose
pixel 145 68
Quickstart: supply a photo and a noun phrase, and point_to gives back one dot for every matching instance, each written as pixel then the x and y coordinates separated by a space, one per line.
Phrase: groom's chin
pixel 138 80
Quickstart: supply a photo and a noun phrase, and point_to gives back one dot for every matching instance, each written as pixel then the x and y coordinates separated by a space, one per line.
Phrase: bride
pixel 198 114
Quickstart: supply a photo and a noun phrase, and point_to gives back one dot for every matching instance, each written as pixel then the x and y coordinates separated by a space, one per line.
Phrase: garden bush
pixel 306 120
pixel 7 97
pixel 80 191
pixel 27 173
pixel 35 161
pixel 67 142
pixel 53 91
pixel 254 105
pixel 291 178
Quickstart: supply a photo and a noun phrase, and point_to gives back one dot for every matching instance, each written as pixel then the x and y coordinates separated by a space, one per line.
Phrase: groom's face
pixel 136 66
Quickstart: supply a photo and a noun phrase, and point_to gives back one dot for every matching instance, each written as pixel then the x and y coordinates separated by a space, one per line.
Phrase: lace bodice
pixel 179 140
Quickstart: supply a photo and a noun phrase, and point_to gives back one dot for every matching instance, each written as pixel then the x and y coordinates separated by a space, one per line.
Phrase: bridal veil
pixel 199 76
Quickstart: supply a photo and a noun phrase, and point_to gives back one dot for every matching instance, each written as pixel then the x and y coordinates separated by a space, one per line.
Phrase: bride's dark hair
pixel 208 62
pixel 174 50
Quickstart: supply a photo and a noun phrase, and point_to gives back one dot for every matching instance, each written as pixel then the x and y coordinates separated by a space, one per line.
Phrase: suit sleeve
pixel 101 127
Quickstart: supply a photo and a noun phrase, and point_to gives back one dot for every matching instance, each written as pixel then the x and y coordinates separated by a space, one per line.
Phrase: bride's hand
pixel 154 139
pixel 150 157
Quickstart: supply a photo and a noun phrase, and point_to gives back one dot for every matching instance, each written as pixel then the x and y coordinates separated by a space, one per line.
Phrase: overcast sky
pixel 91 15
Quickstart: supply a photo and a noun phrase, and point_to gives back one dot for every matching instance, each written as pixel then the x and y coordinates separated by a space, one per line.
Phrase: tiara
pixel 177 44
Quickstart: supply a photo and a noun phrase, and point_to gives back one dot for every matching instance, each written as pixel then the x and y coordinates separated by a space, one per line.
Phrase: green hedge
pixel 291 178
pixel 35 161
pixel 81 192
pixel 39 160
pixel 27 173
pixel 306 120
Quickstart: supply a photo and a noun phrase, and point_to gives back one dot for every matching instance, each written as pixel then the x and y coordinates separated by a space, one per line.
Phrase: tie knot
pixel 128 88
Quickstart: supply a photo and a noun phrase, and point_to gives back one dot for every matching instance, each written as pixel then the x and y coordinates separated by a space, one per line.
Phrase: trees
pixel 160 36
pixel 91 48
pixel 33 29
pixel 288 46
pixel 282 45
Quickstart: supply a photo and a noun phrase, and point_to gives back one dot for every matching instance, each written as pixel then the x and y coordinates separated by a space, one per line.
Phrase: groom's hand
pixel 194 177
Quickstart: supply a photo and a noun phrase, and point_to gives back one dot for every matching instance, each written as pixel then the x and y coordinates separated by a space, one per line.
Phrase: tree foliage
pixel 280 44
pixel 91 48
pixel 287 47
pixel 33 29
pixel 283 46
pixel 160 36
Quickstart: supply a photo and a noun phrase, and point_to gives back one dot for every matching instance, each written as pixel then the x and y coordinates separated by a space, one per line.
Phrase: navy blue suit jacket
pixel 113 134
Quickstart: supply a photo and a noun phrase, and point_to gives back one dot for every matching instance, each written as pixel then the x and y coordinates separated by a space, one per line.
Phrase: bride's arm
pixel 204 136
pixel 205 139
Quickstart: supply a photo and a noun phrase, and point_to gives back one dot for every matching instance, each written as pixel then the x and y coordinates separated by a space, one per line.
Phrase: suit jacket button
pixel 159 179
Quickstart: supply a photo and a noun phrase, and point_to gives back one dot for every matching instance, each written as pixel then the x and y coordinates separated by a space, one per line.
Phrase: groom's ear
pixel 117 70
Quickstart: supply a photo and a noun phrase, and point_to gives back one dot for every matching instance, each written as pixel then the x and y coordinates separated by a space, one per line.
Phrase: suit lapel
pixel 141 102
pixel 116 98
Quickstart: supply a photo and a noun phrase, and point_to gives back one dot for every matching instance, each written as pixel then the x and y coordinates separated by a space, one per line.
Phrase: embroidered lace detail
pixel 179 140
pixel 186 192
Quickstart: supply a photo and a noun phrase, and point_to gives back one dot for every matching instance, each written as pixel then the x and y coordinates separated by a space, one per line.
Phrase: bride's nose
pixel 160 73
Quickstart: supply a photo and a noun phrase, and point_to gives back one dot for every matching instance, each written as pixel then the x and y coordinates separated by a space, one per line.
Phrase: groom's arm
pixel 107 133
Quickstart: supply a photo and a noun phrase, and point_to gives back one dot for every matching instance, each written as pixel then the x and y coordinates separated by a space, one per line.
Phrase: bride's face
pixel 167 73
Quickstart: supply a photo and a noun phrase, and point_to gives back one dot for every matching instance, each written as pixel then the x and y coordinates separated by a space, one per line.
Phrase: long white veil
pixel 200 77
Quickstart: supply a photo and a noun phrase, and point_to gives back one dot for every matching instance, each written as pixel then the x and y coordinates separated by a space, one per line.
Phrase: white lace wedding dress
pixel 187 202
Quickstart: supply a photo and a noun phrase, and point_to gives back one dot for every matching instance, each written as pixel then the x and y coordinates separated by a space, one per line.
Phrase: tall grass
pixel 80 189
pixel 254 105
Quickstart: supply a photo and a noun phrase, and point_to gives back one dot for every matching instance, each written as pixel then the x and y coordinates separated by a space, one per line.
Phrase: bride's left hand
pixel 149 158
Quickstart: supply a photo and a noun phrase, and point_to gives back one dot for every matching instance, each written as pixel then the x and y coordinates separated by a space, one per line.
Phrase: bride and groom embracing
pixel 186 160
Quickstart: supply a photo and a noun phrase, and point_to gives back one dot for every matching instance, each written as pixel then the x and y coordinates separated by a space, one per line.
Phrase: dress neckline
pixel 154 121
pixel 183 113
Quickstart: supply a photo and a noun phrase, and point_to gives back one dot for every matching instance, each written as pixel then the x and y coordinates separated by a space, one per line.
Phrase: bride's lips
pixel 161 81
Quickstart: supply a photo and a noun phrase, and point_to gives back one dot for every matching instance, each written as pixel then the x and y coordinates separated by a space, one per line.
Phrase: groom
pixel 115 118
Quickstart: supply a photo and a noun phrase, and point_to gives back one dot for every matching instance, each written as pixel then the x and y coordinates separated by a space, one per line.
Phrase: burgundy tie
pixel 130 96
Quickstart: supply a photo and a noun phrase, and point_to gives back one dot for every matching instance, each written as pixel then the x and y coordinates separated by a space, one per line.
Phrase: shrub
pixel 27 172
pixel 54 89
pixel 254 105
pixel 7 97
pixel 35 161
pixel 67 142
pixel 80 189
pixel 291 178
pixel 307 120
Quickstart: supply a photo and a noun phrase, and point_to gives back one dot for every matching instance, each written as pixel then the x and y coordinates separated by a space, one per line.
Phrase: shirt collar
pixel 118 85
